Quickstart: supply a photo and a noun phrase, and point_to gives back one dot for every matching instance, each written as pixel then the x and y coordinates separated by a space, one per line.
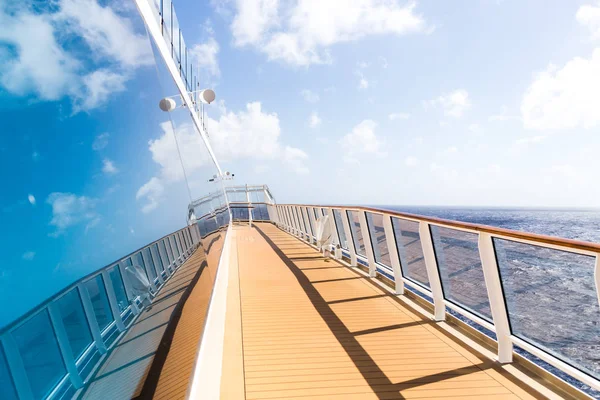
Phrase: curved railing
pixel 526 291
pixel 54 349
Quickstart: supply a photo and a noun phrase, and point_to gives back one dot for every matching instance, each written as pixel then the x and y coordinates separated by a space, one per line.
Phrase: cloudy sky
pixel 488 103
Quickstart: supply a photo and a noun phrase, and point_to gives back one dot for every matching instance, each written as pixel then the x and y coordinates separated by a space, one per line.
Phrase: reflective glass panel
pixel 97 292
pixel 339 225
pixel 150 267
pixel 160 263
pixel 458 261
pixel 117 283
pixel 378 240
pixel 257 196
pixel 75 322
pixel 41 356
pixel 139 260
pixel 167 246
pixel 7 387
pixel 308 218
pixel 357 237
pixel 410 250
pixel 552 302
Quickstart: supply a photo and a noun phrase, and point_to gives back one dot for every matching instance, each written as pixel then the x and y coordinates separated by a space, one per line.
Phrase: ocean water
pixel 580 224
pixel 551 297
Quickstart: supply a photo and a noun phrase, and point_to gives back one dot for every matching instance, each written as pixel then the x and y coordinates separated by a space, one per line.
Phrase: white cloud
pixel 411 161
pixel 250 133
pixel 28 255
pixel 523 143
pixel 475 128
pixel 384 62
pixel 108 167
pixel 97 89
pixel 310 96
pixel 204 55
pixel 152 192
pixel 301 32
pixel 69 210
pixel 44 63
pixel 100 141
pixel 564 98
pixel 589 16
pixel 451 150
pixel 362 140
pixel 314 120
pixel 107 33
pixel 503 116
pixel 363 83
pixel 295 159
pixel 454 104
pixel 31 199
pixel 400 115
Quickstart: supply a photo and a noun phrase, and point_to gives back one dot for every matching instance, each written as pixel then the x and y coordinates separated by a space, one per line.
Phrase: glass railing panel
pixel 117 282
pixel 237 196
pixel 137 259
pixel 75 322
pixel 97 292
pixel 175 37
pixel 160 263
pixel 167 246
pixel 378 239
pixel 339 226
pixel 309 219
pixel 257 196
pixel 151 267
pixel 175 245
pixel 316 213
pixel 410 250
pixel 7 386
pixel 357 237
pixel 551 301
pixel 37 345
pixel 461 272
pixel 167 10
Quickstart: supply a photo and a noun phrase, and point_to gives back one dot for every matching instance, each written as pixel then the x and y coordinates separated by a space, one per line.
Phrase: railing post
pixel 112 297
pixel 307 224
pixel 393 252
pixel 433 273
pixel 16 367
pixel 366 234
pixel 249 207
pixel 349 238
pixel 90 314
pixel 63 344
pixel 496 296
pixel 311 217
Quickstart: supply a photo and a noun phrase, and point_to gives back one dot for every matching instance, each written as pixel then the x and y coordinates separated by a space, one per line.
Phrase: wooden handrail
pixel 503 232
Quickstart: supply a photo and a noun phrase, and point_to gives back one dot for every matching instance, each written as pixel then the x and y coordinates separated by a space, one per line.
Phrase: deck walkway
pixel 300 326
pixel 124 372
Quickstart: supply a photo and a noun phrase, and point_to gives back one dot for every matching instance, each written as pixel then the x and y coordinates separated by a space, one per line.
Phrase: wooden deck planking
pixel 123 373
pixel 313 328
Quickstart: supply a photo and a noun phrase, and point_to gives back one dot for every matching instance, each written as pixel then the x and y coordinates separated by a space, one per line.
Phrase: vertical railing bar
pixel 307 223
pixel 393 252
pixel 311 216
pixel 495 293
pixel 112 297
pixel 90 314
pixel 64 346
pixel 16 367
pixel 349 237
pixel 249 207
pixel 432 271
pixel 368 243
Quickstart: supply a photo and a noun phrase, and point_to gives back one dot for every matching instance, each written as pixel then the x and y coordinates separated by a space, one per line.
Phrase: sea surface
pixel 551 296
pixel 579 224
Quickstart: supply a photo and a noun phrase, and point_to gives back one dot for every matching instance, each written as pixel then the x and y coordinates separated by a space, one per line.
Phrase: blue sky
pixel 489 103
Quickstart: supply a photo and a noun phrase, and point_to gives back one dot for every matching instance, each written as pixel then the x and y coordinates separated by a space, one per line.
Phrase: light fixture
pixel 205 96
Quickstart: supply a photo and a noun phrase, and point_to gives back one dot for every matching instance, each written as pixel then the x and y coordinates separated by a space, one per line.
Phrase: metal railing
pixel 54 349
pixel 533 292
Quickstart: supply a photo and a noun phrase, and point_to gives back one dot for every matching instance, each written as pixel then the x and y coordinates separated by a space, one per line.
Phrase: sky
pixel 380 102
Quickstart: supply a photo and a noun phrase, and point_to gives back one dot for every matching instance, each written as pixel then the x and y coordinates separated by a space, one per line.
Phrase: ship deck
pixel 297 326
pixel 301 326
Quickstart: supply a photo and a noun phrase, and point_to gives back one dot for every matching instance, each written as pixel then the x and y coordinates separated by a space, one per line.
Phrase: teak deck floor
pixel 300 326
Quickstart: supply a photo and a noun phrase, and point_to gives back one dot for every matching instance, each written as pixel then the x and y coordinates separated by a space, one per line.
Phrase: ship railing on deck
pixel 55 348
pixel 534 295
